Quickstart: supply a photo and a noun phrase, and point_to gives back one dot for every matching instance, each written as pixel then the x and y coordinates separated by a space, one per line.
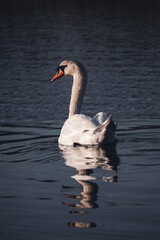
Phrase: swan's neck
pixel 78 90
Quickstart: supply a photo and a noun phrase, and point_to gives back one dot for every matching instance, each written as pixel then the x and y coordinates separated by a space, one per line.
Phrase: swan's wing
pixel 106 131
pixel 100 118
pixel 103 126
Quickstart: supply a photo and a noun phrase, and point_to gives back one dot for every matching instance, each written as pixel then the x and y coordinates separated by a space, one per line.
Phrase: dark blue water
pixel 49 192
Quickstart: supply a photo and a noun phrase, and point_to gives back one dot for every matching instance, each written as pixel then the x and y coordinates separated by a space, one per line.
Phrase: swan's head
pixel 69 67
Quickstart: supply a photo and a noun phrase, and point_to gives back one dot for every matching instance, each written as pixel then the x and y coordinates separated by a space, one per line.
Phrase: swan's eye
pixel 61 67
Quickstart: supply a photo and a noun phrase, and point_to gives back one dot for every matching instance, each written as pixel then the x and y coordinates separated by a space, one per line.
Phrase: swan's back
pixel 83 130
pixel 75 127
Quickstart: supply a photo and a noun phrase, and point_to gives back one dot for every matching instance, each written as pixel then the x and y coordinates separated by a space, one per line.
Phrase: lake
pixel 54 192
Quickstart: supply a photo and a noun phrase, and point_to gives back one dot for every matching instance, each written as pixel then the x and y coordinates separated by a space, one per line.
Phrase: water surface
pixel 52 192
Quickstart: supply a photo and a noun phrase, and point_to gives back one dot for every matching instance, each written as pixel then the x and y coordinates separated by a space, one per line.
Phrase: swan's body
pixel 78 128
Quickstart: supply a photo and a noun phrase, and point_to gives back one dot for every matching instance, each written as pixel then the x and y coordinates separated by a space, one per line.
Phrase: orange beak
pixel 58 74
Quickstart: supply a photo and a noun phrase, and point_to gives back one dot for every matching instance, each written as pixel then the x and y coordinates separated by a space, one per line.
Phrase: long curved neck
pixel 78 91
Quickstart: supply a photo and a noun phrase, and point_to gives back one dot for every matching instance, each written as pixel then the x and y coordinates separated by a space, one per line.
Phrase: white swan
pixel 78 128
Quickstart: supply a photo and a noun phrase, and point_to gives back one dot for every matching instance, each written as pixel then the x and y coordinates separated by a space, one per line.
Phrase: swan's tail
pixel 106 131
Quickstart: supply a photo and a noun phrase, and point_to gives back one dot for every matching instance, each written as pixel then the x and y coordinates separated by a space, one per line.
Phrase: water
pixel 48 192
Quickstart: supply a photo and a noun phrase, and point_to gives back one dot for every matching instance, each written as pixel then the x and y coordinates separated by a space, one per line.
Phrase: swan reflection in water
pixel 85 160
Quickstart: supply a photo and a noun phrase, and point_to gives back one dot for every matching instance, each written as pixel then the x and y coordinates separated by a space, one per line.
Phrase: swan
pixel 80 129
